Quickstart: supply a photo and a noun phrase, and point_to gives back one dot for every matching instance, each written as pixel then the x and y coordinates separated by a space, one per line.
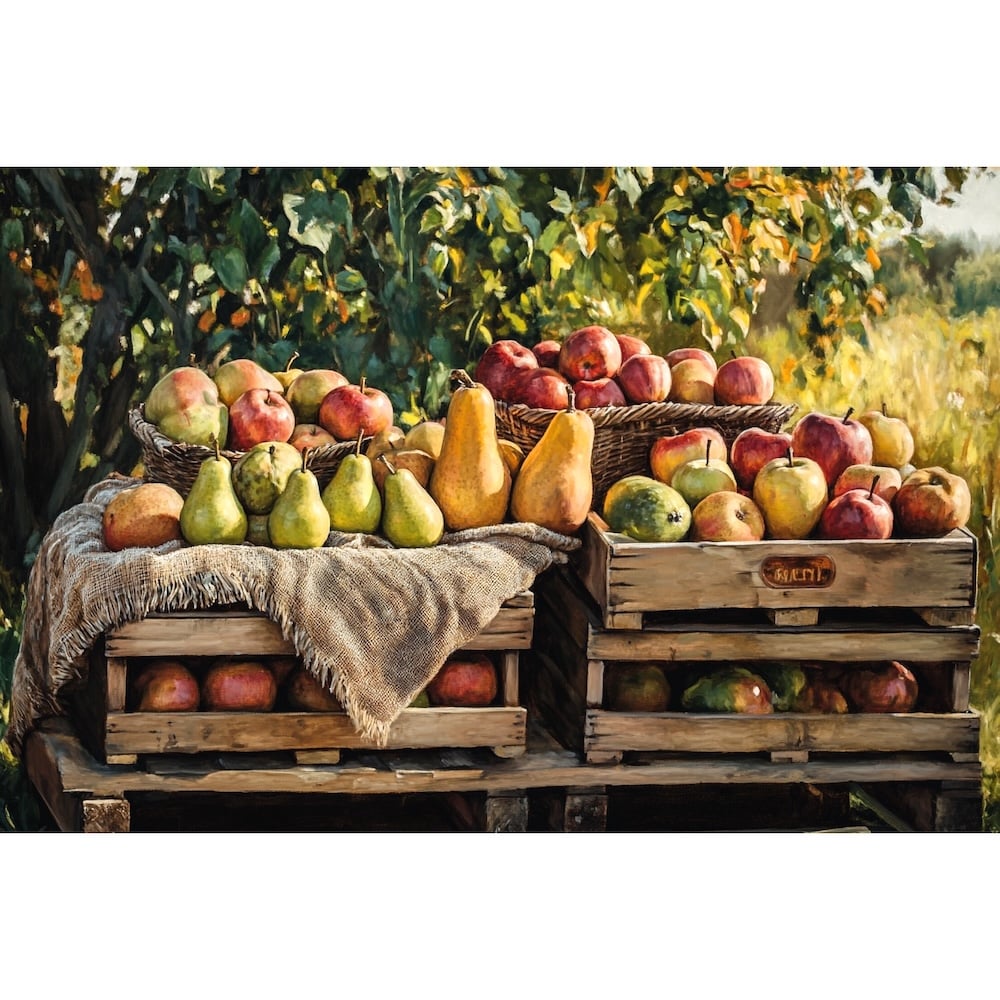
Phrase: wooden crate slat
pixel 737 733
pixel 193 732
pixel 625 576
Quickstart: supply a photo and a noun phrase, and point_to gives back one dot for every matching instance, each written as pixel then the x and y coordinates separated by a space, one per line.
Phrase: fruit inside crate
pixel 269 703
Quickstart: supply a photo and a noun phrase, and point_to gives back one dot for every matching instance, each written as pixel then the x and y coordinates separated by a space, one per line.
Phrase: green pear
pixel 261 474
pixel 351 497
pixel 257 530
pixel 299 519
pixel 212 513
pixel 411 517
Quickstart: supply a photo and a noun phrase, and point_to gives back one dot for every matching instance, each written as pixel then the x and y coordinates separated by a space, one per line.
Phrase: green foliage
pixel 977 284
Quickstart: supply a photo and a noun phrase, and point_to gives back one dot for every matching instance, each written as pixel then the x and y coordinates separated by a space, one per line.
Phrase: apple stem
pixel 790 457
pixel 361 382
pixel 874 484
pixel 885 409
pixel 385 461
pixel 847 415
pixel 708 451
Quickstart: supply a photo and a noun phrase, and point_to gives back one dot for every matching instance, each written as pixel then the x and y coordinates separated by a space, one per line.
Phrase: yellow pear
pixel 425 436
pixel 554 487
pixel 470 482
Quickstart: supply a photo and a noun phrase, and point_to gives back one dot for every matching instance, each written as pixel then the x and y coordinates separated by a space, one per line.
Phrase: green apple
pixel 702 477
pixel 892 440
pixel 791 493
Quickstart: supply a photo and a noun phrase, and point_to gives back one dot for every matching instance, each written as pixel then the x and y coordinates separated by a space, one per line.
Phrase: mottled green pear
pixel 299 519
pixel 212 513
pixel 351 497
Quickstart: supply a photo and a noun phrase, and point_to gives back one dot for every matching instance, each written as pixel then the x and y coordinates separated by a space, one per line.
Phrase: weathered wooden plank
pixel 106 816
pixel 41 763
pixel 79 773
pixel 506 813
pixel 195 732
pixel 739 733
pixel 235 633
pixel 835 644
pixel 627 576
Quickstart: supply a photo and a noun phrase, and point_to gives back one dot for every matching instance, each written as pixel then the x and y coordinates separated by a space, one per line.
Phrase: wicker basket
pixel 176 463
pixel 623 435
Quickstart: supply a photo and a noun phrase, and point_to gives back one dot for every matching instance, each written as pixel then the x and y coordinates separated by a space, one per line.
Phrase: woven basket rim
pixel 149 435
pixel 613 416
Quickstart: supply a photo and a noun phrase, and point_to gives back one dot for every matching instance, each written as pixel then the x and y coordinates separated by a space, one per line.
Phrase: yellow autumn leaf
pixel 741 318
pixel 559 261
pixel 586 237
pixel 873 258
pixel 603 186
pixel 733 228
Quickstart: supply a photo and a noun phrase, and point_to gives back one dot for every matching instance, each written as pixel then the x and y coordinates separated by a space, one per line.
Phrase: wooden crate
pixel 118 736
pixel 572 647
pixel 792 581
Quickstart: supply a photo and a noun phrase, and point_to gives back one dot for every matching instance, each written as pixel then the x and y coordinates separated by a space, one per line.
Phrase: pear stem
pixel 361 436
pixel 215 445
pixel 847 415
pixel 461 376
pixel 305 454
pixel 288 367
pixel 874 484
pixel 385 461
pixel 571 396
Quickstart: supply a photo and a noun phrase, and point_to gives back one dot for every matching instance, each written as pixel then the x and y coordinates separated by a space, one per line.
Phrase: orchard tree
pixel 108 277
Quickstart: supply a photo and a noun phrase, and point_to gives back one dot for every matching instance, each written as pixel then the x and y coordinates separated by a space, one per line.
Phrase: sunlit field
pixel 942 375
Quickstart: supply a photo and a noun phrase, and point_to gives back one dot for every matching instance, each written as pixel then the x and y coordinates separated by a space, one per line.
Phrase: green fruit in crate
pixel 212 513
pixel 729 689
pixel 787 682
pixel 647 510
pixel 636 687
pixel 299 519
pixel 351 497
pixel 261 474
pixel 411 517
pixel 701 477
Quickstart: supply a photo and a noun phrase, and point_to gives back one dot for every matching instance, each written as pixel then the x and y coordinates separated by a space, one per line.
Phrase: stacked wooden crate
pixel 118 735
pixel 707 604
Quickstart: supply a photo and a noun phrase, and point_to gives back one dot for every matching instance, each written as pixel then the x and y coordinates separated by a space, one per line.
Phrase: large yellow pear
pixel 555 486
pixel 470 482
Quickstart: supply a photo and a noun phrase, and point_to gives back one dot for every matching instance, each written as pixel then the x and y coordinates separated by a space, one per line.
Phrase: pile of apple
pixel 243 404
pixel 611 369
pixel 828 477
pixel 243 684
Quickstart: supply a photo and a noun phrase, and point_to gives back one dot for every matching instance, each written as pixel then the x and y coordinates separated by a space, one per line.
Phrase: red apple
pixel 931 502
pixel 727 516
pixel 881 687
pixel 259 415
pixel 236 685
pixel 857 514
pixel 645 378
pixel 692 381
pixel 599 392
pixel 465 680
pixel 833 442
pixel 590 352
pixel 687 353
pixel 859 477
pixel 310 436
pixel 744 381
pixel 670 452
pixel 631 345
pixel 306 391
pixel 541 388
pixel 234 378
pixel 166 686
pixel 546 353
pixel 350 410
pixel 500 361
pixel 752 449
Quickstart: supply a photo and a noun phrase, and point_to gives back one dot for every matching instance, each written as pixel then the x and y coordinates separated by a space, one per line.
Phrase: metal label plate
pixel 798 572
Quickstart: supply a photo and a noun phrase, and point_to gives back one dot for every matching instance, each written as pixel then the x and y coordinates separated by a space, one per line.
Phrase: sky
pixel 976 210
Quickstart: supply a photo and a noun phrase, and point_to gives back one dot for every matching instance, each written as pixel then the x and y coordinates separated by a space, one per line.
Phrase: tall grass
pixel 942 375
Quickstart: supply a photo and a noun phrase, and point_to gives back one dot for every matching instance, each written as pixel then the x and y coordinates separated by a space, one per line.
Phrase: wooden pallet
pixel 572 648
pixel 82 793
pixel 792 581
pixel 118 736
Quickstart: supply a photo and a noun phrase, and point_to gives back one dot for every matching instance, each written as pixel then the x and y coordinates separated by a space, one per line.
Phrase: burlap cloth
pixel 372 622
